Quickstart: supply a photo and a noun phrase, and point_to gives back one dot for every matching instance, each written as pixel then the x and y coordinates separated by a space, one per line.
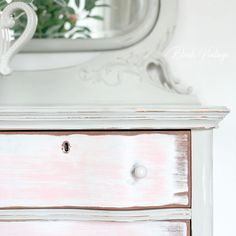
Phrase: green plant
pixel 57 18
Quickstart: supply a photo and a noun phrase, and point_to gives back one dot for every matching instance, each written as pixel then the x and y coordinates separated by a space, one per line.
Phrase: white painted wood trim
pixel 45 228
pixel 107 117
pixel 202 201
pixel 87 215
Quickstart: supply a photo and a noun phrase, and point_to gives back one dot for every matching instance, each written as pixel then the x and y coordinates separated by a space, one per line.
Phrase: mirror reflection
pixel 81 19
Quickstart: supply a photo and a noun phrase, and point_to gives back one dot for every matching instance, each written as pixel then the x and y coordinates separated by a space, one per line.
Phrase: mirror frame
pixel 140 30
pixel 138 74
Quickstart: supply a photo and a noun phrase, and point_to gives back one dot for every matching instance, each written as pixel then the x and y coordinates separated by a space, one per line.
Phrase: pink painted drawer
pixel 94 229
pixel 101 170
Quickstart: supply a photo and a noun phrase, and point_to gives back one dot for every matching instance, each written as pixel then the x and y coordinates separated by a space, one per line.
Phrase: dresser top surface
pixel 111 117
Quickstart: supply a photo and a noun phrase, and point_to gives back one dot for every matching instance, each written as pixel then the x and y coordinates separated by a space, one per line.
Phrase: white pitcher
pixel 8 49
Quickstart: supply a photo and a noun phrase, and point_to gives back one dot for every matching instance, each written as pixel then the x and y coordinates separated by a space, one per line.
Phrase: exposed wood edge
pixel 87 215
pixel 111 117
pixel 188 228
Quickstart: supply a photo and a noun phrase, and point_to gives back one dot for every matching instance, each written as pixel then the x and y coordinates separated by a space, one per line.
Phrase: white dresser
pixel 131 171
pixel 112 146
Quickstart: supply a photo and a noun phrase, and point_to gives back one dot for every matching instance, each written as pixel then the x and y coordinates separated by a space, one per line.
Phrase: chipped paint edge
pixel 106 117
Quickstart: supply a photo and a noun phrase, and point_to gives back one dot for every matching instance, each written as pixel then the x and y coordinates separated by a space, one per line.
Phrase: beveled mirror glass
pixel 86 25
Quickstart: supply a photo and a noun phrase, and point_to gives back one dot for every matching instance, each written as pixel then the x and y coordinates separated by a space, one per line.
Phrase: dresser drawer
pixel 94 228
pixel 95 169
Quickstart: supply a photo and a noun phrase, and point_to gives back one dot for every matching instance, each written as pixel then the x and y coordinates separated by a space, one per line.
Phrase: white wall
pixel 203 54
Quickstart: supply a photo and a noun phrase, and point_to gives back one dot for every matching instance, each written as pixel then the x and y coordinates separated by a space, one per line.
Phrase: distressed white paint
pixel 110 80
pixel 35 172
pixel 94 228
pixel 201 153
pixel 110 117
pixel 92 215
pixel 202 202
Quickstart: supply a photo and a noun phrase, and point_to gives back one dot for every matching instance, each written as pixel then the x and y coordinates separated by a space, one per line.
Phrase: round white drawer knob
pixel 140 172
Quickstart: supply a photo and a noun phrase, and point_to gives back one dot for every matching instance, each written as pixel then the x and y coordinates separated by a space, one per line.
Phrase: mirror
pixel 138 72
pixel 81 24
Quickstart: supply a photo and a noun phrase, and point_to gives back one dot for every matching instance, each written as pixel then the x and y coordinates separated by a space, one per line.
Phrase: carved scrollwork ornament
pixel 167 80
